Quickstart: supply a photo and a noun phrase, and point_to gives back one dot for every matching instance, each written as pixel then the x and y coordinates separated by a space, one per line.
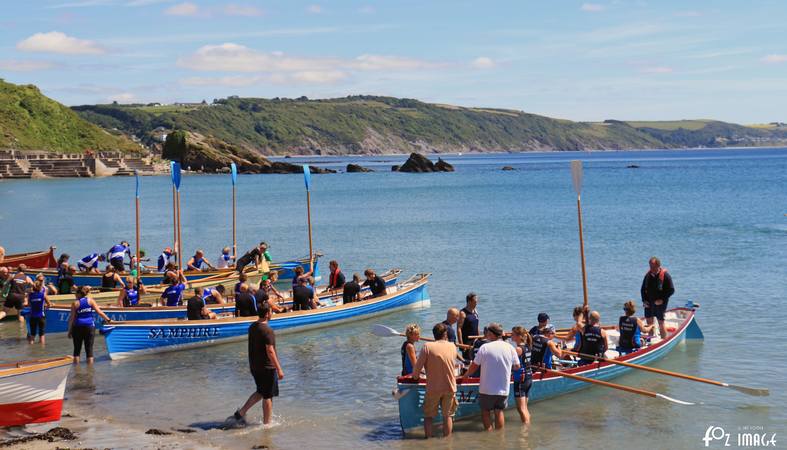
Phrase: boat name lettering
pixel 467 396
pixel 183 332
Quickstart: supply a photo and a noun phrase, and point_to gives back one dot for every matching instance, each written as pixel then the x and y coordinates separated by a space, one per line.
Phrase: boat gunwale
pixel 25 367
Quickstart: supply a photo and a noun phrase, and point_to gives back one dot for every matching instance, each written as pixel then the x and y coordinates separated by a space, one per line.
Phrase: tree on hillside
pixel 175 146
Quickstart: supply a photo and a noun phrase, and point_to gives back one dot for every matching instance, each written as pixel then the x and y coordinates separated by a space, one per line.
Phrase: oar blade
pixel 576 175
pixel 383 331
pixel 757 392
pixel 673 400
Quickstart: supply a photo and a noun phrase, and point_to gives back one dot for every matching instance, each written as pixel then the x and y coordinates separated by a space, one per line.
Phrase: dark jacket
pixel 657 287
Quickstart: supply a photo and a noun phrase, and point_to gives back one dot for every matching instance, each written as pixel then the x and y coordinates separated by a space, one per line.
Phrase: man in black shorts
pixel 264 364
pixel 253 256
pixel 656 290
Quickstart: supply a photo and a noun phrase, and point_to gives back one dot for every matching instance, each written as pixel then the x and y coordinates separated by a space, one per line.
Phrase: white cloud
pixel 182 9
pixel 241 10
pixel 383 62
pixel 483 62
pixel 57 42
pixel 16 65
pixel 591 7
pixel 314 9
pixel 774 59
pixel 656 69
pixel 123 97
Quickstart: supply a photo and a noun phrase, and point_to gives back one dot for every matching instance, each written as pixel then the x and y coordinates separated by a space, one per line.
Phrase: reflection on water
pixel 511 237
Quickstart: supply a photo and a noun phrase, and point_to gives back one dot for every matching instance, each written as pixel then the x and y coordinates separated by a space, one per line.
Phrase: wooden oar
pixel 758 392
pixel 618 386
pixel 383 331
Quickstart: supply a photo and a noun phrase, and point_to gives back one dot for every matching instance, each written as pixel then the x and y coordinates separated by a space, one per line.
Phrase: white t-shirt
pixel 496 359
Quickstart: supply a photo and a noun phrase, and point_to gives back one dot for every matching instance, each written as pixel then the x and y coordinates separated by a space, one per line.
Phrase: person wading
pixel 656 290
pixel 264 364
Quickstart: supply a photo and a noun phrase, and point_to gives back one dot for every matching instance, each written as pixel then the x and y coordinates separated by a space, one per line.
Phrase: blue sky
pixel 579 60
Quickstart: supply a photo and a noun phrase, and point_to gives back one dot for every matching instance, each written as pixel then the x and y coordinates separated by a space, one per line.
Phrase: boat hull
pixel 544 386
pixel 130 339
pixel 33 394
pixel 57 315
pixel 33 260
pixel 286 272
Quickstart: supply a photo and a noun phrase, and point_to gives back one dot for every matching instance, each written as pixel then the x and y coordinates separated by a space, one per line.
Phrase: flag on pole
pixel 136 176
pixel 176 174
pixel 307 177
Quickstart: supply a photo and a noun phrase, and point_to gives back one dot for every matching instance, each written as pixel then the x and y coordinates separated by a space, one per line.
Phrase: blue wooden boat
pixel 681 325
pixel 126 339
pixel 57 315
pixel 286 271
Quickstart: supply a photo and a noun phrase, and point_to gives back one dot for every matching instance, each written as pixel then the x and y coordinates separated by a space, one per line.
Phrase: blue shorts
pixel 522 388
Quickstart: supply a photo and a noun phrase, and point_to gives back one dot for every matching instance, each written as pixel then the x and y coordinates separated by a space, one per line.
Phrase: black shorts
pixel 37 326
pixel 492 402
pixel 267 381
pixel 14 301
pixel 117 263
pixel 82 335
pixel 656 311
pixel 241 263
pixel 522 388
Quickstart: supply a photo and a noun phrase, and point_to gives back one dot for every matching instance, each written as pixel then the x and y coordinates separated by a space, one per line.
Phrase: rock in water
pixel 354 168
pixel 417 163
pixel 632 166
pixel 394 168
pixel 442 166
pixel 507 168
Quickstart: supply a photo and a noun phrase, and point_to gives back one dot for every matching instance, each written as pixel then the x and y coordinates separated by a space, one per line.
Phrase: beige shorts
pixel 446 402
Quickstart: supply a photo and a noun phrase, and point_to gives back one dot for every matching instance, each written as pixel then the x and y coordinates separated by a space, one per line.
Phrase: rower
pixel 173 294
pixel 164 259
pixel 213 296
pixel 413 333
pixel 65 282
pixel 245 305
pixel 451 319
pixel 522 377
pixel 197 308
pixel 543 320
pixel 110 279
pixel 242 279
pixel 90 262
pixel 263 296
pixel 336 279
pixel 575 332
pixel 225 259
pixel 544 347
pixel 375 283
pixel 352 290
pixel 198 262
pixel 594 339
pixel 468 324
pixel 129 295
pixel 255 255
pixel 299 274
pixel 17 290
pixel 631 329
pixel 303 296
pixel 117 255
pixel 267 285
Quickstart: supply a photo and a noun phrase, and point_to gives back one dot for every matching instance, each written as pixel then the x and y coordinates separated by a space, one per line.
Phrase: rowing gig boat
pixel 57 315
pixel 44 259
pixel 127 339
pixel 32 391
pixel 680 323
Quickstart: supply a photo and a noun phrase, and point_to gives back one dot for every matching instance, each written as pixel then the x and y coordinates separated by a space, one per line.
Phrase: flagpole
pixel 576 175
pixel 234 174
pixel 307 180
pixel 139 262
pixel 174 210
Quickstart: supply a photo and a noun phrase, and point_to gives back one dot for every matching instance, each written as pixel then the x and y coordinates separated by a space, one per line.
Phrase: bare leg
pixel 76 359
pixel 662 329
pixel 448 425
pixel 500 418
pixel 42 340
pixel 267 410
pixel 649 321
pixel 253 399
pixel 90 360
pixel 428 426
pixel 486 417
pixel 521 407
pixel 3 313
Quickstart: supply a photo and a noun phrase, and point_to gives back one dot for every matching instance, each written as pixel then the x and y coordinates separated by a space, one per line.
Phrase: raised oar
pixel 618 386
pixel 234 174
pixel 307 179
pixel 383 331
pixel 757 392
pixel 576 178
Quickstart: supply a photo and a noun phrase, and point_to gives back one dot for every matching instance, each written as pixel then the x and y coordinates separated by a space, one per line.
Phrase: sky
pixel 578 60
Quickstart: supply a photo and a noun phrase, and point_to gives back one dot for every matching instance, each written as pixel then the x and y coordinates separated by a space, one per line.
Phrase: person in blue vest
pixel 523 377
pixel 631 329
pixel 544 347
pixel 37 301
pixel 81 323
pixel 129 295
pixel 226 260
pixel 117 256
pixel 594 340
pixel 89 264
pixel 165 259
pixel 656 290
pixel 173 294
pixel 468 324
pixel 213 296
pixel 413 334
pixel 199 262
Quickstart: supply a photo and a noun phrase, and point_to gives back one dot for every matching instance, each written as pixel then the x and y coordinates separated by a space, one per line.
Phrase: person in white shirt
pixel 225 260
pixel 496 359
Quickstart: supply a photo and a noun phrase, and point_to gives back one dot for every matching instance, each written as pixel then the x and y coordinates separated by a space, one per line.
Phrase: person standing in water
pixel 81 325
pixel 37 300
pixel 264 364
pixel 468 324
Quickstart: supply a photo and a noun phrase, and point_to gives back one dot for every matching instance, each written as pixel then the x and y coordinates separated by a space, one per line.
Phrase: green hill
pixel 31 121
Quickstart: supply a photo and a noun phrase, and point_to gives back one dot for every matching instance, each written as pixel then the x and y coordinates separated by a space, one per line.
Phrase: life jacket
pixel 629 333
pixel 84 314
pixel 333 277
pixel 132 296
pixel 163 260
pixel 198 262
pixel 541 354
pixel 407 366
pixel 593 342
pixel 662 273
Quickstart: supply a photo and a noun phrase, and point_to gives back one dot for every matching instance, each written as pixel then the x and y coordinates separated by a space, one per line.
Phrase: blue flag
pixel 176 174
pixel 307 177
pixel 172 171
pixel 234 172
pixel 136 175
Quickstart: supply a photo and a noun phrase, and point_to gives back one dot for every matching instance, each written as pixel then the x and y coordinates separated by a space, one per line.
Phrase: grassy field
pixel 671 125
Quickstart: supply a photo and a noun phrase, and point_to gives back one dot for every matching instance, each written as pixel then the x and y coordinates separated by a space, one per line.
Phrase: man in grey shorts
pixel 496 359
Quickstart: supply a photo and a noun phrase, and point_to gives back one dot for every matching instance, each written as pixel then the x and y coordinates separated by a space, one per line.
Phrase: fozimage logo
pixel 748 436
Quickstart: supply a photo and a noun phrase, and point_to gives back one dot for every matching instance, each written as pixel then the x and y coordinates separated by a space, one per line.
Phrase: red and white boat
pixel 33 260
pixel 32 391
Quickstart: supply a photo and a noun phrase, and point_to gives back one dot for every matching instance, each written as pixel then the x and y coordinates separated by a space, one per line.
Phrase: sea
pixel 715 218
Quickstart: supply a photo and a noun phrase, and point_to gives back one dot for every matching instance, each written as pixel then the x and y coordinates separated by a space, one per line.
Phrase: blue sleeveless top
pixel 173 294
pixel 206 294
pixel 198 262
pixel 407 366
pixel 524 372
pixel 84 314
pixel 132 296
pixel 36 301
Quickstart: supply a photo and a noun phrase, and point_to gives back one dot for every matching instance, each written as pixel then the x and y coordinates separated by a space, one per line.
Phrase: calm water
pixel 716 218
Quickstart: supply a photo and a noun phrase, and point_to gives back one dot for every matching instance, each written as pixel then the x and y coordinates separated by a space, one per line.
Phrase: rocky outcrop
pixel 355 168
pixel 507 168
pixel 419 163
